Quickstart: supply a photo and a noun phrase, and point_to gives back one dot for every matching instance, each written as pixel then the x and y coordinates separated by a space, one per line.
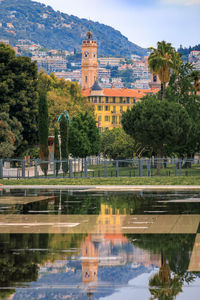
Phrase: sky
pixel 143 22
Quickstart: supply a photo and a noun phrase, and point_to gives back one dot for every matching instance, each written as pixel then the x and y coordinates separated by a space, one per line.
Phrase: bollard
pixel 23 169
pixel 70 169
pixel 140 168
pixel 149 168
pixel 117 168
pixel 85 169
pixel 1 168
pixel 105 169
pixel 180 165
pixel 175 169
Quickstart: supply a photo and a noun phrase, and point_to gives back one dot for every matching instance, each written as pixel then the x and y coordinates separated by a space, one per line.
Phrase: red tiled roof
pixel 112 92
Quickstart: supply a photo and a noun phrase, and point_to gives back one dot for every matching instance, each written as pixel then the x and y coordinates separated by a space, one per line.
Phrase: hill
pixel 40 24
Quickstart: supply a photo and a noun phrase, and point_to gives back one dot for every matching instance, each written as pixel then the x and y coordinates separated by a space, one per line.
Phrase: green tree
pixel 56 150
pixel 117 144
pixel 84 139
pixel 64 142
pixel 161 61
pixel 43 132
pixel 195 76
pixel 180 91
pixel 19 95
pixel 156 123
pixel 10 135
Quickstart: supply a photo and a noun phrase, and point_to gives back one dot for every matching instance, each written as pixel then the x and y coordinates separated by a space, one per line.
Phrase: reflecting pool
pixel 103 245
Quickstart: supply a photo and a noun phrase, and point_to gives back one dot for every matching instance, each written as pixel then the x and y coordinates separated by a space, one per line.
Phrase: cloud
pixel 182 2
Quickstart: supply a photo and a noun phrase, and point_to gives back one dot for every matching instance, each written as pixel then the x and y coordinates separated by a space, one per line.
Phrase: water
pixel 105 245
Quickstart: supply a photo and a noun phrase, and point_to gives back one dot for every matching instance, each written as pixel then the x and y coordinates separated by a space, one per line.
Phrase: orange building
pixel 89 67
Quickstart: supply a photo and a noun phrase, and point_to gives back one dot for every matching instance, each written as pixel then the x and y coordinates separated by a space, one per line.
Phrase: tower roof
pixel 89 34
pixel 96 86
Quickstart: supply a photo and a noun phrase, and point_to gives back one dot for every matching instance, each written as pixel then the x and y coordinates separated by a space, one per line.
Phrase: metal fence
pixel 93 167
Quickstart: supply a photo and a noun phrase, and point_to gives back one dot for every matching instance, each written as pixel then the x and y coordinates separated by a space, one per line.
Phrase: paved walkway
pixel 107 187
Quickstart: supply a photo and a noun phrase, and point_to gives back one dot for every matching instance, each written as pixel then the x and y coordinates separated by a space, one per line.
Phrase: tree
pixel 56 150
pixel 156 123
pixel 10 135
pixel 195 76
pixel 43 132
pixel 161 61
pixel 62 95
pixel 117 144
pixel 64 142
pixel 179 90
pixel 84 139
pixel 19 95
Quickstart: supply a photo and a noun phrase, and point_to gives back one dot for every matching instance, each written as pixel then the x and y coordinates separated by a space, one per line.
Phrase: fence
pixel 98 167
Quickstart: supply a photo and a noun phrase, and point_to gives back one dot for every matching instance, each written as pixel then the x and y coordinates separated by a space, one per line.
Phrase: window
pixel 99 99
pixel 120 99
pixel 99 118
pixel 114 100
pixel 107 118
pixel 107 100
pixel 107 108
pixel 114 120
pixel 114 109
pixel 154 78
pixel 99 108
pixel 127 99
pixel 95 99
pixel 86 79
pixel 121 109
pixel 133 100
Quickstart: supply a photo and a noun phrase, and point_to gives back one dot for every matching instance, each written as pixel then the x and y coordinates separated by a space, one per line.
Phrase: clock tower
pixel 89 67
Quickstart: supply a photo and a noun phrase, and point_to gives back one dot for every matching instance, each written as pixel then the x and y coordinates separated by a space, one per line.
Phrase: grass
pixel 182 180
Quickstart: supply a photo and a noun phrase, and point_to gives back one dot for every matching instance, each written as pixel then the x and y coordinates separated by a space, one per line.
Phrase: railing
pixel 98 167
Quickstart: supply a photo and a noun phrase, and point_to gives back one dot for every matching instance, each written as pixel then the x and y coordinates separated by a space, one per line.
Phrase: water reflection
pixel 94 265
pixel 82 245
pixel 64 202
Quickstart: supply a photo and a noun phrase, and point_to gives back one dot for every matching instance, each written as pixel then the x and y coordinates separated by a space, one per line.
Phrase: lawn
pixel 182 180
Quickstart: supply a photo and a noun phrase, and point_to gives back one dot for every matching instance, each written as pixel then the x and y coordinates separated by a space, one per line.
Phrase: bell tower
pixel 89 67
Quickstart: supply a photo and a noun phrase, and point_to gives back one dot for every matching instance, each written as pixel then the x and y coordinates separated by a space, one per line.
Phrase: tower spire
pixel 89 34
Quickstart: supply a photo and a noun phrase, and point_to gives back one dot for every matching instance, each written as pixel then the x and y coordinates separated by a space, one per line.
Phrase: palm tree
pixel 162 286
pixel 195 76
pixel 161 61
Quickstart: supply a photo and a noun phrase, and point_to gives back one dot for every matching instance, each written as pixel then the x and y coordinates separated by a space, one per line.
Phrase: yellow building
pixel 109 104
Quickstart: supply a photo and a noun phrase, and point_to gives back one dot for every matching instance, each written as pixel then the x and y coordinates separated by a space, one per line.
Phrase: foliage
pixel 56 150
pixel 59 30
pixel 195 77
pixel 117 144
pixel 155 124
pixel 62 95
pixel 10 135
pixel 162 61
pixel 64 142
pixel 180 90
pixel 19 96
pixel 84 139
pixel 43 125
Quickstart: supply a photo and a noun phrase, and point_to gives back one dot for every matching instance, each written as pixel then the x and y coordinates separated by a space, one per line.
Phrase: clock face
pixel 86 55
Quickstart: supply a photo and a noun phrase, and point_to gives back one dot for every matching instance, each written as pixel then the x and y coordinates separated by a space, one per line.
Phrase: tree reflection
pixel 175 253
pixel 21 255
